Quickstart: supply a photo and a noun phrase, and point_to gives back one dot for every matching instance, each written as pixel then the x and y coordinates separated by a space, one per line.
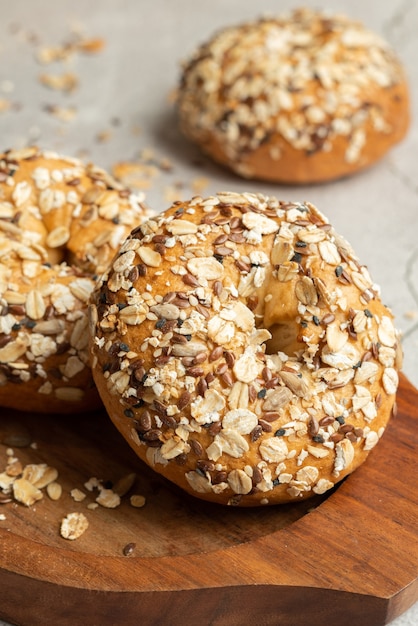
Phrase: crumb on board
pixel 51 54
pixel 66 82
pixel 137 501
pixel 5 105
pixel 411 315
pixel 27 485
pixel 64 114
pixel 73 526
pixel 77 495
pixel 103 136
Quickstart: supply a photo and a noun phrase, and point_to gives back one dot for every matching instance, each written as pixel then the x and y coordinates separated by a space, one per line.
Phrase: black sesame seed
pixel 262 393
pixel 315 320
pixel 318 439
pixel 30 323
pixel 188 337
pixel 16 326
pixel 338 271
pixel 123 347
pixel 128 413
pixel 367 313
pixel 122 305
pixel 304 324
pixel 280 432
pixel 276 482
pixel 219 258
pixel 161 323
pixel 301 244
pixel 296 258
pixel 340 419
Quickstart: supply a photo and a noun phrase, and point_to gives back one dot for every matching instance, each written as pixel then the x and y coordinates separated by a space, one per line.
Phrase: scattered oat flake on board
pixel 103 136
pixel 172 193
pixel 132 174
pixel 108 499
pixel 92 483
pixel 60 82
pixel 411 315
pixel 54 490
pixel 65 114
pixel 73 526
pixel 199 184
pixel 91 46
pixel 77 495
pixel 25 492
pixel 5 105
pixel 51 54
pixel 137 501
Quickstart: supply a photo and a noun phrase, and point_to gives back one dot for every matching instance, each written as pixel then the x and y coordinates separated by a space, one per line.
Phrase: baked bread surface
pixel 303 98
pixel 242 349
pixel 61 222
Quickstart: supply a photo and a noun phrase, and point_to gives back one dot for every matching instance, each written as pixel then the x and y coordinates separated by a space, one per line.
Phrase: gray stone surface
pixel 122 107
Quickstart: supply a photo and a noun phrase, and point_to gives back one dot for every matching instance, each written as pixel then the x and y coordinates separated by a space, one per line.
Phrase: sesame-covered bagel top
pixel 306 97
pixel 61 222
pixel 242 349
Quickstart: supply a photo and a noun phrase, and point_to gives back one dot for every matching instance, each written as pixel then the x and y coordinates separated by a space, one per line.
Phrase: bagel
pixel 303 98
pixel 61 223
pixel 243 351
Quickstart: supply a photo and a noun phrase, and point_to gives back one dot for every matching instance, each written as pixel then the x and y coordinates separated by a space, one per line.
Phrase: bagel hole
pixel 284 338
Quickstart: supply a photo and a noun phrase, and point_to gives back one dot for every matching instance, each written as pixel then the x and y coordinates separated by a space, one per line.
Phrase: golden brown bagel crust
pixel 61 222
pixel 300 99
pixel 243 351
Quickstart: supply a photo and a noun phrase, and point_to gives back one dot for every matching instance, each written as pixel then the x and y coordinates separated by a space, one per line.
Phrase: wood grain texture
pixel 349 558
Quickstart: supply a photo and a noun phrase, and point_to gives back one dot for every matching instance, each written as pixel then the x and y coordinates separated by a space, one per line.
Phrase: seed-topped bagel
pixel 302 98
pixel 242 349
pixel 60 224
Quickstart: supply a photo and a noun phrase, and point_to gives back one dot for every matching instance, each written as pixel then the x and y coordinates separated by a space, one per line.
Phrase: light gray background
pixel 124 92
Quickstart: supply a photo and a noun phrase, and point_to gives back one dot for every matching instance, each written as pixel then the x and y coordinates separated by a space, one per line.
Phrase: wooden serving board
pixel 349 558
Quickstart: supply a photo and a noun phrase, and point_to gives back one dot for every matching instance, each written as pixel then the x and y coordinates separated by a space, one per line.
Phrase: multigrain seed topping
pixel 243 350
pixel 60 224
pixel 307 77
